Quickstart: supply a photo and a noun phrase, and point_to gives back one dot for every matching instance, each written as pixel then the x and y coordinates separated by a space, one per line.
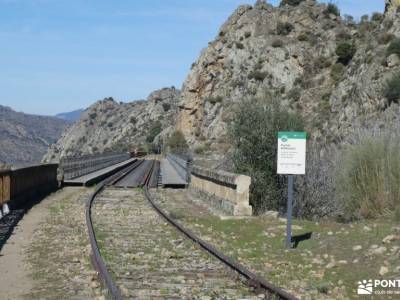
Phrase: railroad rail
pixel 252 279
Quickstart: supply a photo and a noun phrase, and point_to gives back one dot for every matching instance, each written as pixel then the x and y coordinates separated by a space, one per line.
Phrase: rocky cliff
pixel 327 67
pixel 292 52
pixel 112 126
pixel 25 138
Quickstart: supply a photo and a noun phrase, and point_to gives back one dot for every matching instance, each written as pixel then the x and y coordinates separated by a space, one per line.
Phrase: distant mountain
pixel 71 116
pixel 25 138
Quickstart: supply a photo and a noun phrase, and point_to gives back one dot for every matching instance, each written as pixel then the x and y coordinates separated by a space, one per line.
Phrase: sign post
pixel 291 161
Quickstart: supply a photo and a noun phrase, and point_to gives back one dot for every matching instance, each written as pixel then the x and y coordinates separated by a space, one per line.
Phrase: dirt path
pixel 15 280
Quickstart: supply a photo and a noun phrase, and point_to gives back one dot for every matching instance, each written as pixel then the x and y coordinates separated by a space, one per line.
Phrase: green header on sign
pixel 292 135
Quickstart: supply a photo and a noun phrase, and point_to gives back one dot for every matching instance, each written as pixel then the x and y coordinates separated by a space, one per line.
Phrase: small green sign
pixel 292 135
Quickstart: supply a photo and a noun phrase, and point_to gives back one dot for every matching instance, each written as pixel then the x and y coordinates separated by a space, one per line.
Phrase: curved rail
pixel 97 260
pixel 253 279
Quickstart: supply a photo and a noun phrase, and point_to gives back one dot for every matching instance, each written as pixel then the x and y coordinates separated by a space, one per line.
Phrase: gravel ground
pixel 151 260
pixel 58 256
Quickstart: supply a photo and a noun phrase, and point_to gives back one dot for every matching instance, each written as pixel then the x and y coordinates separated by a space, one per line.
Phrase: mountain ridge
pixel 24 138
pixel 70 116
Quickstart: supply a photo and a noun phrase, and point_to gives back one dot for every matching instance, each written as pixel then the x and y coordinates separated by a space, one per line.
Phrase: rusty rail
pixel 97 260
pixel 253 279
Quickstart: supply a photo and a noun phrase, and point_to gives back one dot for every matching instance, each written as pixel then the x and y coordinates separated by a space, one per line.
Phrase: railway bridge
pixel 138 248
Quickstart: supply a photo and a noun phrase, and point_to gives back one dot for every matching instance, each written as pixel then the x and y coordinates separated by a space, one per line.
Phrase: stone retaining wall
pixel 228 191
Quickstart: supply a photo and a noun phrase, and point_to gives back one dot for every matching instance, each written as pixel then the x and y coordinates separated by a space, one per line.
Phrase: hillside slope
pixel 328 68
pixel 112 126
pixel 25 138
pixel 291 52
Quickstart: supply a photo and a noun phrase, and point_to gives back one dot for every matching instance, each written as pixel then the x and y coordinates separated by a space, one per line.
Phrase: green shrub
pixel 303 37
pixel 385 38
pixel 166 106
pixel 295 94
pixel 397 214
pixel 239 45
pixel 392 89
pixel 253 134
pixel 155 130
pixel 343 36
pixel 257 75
pixel 214 100
pixel 133 120
pixel 322 62
pixel 377 17
pixel 93 115
pixel 332 9
pixel 369 175
pixel 337 71
pixel 176 143
pixel 201 149
pixel 291 2
pixel 284 28
pixel 277 43
pixel 345 52
pixel 394 47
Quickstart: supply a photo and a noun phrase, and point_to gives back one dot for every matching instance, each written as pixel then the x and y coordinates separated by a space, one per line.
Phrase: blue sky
pixel 60 55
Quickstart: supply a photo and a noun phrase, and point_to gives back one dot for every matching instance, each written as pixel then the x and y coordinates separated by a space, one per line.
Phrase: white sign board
pixel 292 153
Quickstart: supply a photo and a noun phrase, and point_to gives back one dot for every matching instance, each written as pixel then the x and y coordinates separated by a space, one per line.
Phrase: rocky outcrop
pixel 25 138
pixel 112 126
pixel 290 51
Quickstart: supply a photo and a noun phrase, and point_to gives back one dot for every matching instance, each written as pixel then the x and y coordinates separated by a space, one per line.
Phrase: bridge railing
pixel 227 191
pixel 20 184
pixel 75 166
pixel 180 164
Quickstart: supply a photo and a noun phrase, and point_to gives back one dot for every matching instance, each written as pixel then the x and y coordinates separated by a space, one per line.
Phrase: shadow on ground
pixel 18 209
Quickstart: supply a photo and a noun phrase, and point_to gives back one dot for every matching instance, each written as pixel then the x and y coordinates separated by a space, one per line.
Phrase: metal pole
pixel 289 213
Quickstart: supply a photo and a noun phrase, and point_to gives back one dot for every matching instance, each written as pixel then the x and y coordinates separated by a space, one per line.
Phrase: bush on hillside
pixel 155 130
pixel 291 2
pixel 394 47
pixel 337 71
pixel 303 37
pixel 345 52
pixel 332 9
pixel 277 43
pixel 284 28
pixel 392 90
pixel 253 134
pixel 166 106
pixel 385 38
pixel 315 192
pixel 377 17
pixel 176 143
pixel 369 174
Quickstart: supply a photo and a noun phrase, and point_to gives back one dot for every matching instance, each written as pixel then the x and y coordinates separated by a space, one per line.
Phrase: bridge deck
pixel 99 175
pixel 169 175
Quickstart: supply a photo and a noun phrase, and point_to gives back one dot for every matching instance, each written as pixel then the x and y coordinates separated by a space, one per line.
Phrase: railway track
pixel 147 258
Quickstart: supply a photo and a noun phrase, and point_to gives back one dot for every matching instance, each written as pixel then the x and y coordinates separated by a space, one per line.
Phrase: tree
pixel 392 90
pixel 155 130
pixel 177 143
pixel 254 136
pixel 345 52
